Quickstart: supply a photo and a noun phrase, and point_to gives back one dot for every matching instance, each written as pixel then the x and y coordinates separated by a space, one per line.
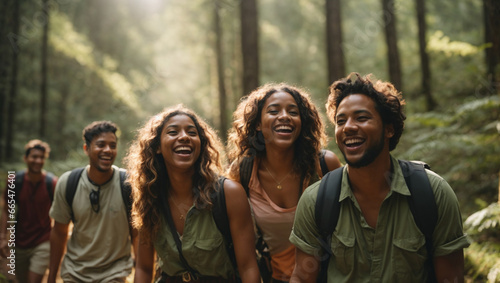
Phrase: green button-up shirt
pixel 395 250
pixel 202 246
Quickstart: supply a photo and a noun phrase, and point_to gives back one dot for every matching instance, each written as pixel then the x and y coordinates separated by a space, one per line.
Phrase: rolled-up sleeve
pixel 60 210
pixel 305 234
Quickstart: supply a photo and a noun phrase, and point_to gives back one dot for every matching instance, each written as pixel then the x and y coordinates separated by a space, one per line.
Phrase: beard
pixel 370 154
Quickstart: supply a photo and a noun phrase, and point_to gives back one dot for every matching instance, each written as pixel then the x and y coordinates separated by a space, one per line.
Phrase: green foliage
pixel 462 145
pixel 483 256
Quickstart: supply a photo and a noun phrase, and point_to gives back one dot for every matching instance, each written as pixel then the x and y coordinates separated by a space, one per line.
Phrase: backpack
pixel 72 185
pixel 422 205
pixel 49 180
pixel 220 216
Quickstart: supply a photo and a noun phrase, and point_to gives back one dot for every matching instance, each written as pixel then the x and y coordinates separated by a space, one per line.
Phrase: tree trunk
pixel 392 43
pixel 5 51
pixel 424 57
pixel 335 54
pixel 249 45
pixel 219 54
pixel 11 108
pixel 492 35
pixel 43 65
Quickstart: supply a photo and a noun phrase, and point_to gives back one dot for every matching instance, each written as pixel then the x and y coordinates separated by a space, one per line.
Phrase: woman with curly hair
pixel 174 168
pixel 279 129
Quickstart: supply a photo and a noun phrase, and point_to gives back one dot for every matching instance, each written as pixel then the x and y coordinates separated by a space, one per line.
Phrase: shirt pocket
pixel 209 252
pixel 343 253
pixel 409 256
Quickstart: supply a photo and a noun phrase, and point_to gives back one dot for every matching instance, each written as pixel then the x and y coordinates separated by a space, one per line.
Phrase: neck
pixel 279 161
pixel 373 178
pixel 99 177
pixel 181 185
pixel 34 177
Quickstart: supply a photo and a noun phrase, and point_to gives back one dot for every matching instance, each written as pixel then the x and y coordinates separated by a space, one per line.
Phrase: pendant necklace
pixel 279 187
pixel 181 217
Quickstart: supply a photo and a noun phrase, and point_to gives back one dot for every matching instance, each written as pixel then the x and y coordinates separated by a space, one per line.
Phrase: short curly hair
pixel 388 101
pixel 96 128
pixel 245 140
pixel 37 144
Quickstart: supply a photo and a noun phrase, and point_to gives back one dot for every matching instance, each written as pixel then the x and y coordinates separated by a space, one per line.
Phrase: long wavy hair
pixel 245 140
pixel 388 100
pixel 148 176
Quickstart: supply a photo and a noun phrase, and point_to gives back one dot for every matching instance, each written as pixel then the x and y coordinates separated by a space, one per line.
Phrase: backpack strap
pixel 219 213
pixel 322 163
pixel 19 179
pixel 49 181
pixel 246 167
pixel 422 205
pixel 326 213
pixel 71 186
pixel 126 190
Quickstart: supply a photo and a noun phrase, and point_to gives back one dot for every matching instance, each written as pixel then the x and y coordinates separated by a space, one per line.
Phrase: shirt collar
pixel 398 184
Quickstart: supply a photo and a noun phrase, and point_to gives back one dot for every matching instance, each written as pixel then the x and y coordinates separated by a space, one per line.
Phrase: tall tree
pixel 43 71
pixel 249 45
pixel 219 54
pixel 391 39
pixel 11 100
pixel 492 35
pixel 424 57
pixel 335 54
pixel 4 69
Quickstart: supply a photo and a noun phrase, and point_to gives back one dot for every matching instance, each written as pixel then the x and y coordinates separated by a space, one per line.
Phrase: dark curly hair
pixel 96 128
pixel 388 101
pixel 148 176
pixel 245 140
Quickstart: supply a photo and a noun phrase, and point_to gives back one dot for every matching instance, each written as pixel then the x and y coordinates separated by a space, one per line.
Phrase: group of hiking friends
pixel 283 210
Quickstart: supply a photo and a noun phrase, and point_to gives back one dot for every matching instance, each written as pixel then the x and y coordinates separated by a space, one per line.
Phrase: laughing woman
pixel 174 167
pixel 278 129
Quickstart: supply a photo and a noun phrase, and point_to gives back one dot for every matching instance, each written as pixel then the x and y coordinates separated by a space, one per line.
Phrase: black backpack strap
pixel 126 190
pixel 219 213
pixel 322 163
pixel 246 167
pixel 49 180
pixel 327 211
pixel 191 274
pixel 71 185
pixel 422 205
pixel 18 184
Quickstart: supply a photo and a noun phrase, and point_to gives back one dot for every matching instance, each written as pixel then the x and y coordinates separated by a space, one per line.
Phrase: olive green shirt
pixel 395 250
pixel 202 246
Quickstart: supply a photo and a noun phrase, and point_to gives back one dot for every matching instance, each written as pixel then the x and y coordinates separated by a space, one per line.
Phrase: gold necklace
pixel 181 217
pixel 279 187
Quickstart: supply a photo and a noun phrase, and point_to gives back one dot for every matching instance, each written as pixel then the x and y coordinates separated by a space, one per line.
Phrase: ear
pixel 85 149
pixel 258 128
pixel 389 131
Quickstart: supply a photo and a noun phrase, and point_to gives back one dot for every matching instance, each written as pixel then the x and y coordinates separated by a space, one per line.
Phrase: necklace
pixel 181 217
pixel 279 187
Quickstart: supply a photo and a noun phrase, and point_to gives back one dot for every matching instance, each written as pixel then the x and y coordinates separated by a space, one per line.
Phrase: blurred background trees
pixel 66 63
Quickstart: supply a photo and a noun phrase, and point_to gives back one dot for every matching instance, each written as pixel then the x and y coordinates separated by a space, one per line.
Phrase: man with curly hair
pixel 376 238
pixel 99 249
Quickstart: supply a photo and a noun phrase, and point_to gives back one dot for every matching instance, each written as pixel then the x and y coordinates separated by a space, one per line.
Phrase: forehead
pixel 280 97
pixel 356 102
pixel 36 152
pixel 105 137
pixel 179 120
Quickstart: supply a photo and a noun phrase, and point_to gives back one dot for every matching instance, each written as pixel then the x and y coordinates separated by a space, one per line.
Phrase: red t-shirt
pixel 33 221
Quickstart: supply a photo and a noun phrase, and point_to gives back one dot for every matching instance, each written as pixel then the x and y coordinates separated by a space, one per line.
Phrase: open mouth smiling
pixel 354 142
pixel 283 129
pixel 183 150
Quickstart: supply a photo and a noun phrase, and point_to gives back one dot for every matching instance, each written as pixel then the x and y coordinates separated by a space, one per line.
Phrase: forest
pixel 66 63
